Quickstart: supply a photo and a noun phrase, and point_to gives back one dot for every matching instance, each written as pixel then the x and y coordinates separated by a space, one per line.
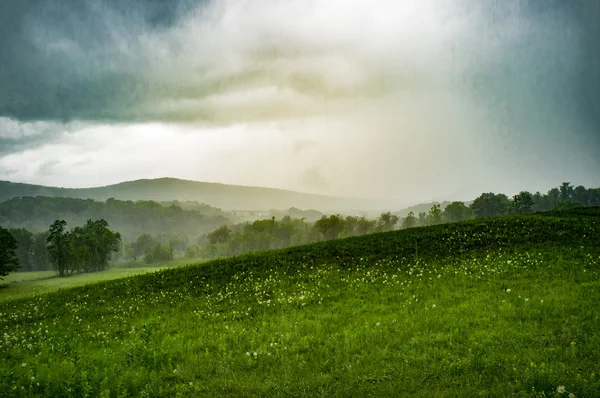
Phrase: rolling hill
pixel 497 307
pixel 226 197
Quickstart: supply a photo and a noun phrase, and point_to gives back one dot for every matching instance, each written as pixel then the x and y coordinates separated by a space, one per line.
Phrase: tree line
pixel 130 218
pixel 273 234
pixel 86 248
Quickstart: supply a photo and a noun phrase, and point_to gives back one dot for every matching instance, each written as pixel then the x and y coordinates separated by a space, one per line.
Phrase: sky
pixel 408 100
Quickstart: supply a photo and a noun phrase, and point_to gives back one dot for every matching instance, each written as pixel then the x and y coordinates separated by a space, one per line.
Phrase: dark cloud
pixel 77 60
pixel 141 60
pixel 487 91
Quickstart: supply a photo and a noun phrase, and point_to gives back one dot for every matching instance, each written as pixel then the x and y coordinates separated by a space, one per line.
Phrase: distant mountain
pixel 226 197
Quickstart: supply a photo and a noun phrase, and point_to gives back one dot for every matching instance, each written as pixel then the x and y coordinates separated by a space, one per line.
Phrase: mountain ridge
pixel 224 196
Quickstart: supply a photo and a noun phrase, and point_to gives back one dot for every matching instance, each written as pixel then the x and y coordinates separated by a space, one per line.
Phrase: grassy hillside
pixel 226 197
pixel 501 307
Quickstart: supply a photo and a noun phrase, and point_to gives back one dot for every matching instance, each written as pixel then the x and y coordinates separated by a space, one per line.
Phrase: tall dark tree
pixel 9 261
pixel 566 191
pixel 59 247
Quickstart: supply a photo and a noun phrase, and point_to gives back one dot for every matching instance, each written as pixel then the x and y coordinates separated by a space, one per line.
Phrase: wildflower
pixel 507 290
pixel 378 324
pixel 571 395
pixel 255 354
pixel 23 364
pixel 433 306
pixel 561 389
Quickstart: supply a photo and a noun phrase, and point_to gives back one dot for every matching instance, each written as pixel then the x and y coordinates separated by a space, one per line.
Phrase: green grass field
pixel 501 307
pixel 28 284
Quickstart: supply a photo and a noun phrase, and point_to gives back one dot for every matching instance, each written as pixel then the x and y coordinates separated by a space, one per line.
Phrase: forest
pixel 130 218
pixel 174 232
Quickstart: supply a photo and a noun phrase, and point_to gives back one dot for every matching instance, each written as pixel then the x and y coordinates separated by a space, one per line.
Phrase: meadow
pixel 498 307
pixel 29 284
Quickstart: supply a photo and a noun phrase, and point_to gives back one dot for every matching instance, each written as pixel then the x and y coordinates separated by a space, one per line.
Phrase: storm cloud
pixel 386 91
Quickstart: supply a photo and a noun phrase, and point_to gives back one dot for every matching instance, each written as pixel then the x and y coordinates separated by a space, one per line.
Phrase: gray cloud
pixel 16 136
pixel 234 61
pixel 378 96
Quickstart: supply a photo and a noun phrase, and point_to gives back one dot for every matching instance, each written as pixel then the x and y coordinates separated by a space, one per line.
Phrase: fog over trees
pixel 174 232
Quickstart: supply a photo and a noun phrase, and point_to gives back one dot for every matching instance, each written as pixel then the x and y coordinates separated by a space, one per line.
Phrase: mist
pixel 407 100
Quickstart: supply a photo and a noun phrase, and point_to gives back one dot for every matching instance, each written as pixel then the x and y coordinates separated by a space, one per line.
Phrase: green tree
pixel 330 227
pixel 158 253
pixel 422 219
pixel 9 261
pixel 581 195
pixel 142 244
pixel 409 221
pixel 365 226
pixel 552 198
pixel 566 191
pixel 522 203
pixel 456 211
pixel 92 245
pixel 386 222
pixel 490 205
pixel 219 236
pixel 59 249
pixel 193 251
pixel 435 215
